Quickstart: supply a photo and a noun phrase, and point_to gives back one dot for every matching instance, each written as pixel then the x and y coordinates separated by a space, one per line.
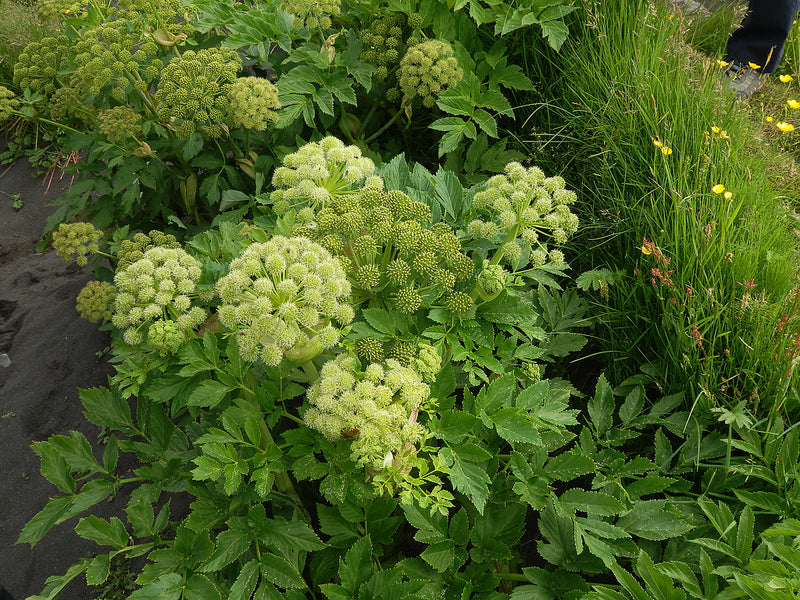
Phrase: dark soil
pixel 53 352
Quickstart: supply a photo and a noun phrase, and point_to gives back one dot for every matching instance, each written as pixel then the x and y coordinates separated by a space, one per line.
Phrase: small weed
pixel 9 415
pixel 16 201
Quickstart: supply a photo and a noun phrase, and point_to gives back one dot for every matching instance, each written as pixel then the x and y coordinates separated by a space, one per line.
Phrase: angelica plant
pixel 375 408
pixel 313 14
pixel 121 124
pixel 8 103
pixel 519 211
pixel 427 69
pixel 95 301
pixel 389 248
pixel 193 90
pixel 154 299
pixel 319 171
pixel 252 103
pixel 282 298
pixel 77 240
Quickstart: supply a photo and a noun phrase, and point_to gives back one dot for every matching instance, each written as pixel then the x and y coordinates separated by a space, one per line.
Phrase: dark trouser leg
pixel 763 33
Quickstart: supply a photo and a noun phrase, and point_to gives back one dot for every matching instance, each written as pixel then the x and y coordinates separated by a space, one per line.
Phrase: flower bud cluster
pixel 76 240
pixel 252 103
pixel 518 207
pixel 383 41
pixel 319 171
pixel 375 408
pixel 95 301
pixel 427 69
pixel 120 124
pixel 132 250
pixel 280 298
pixel 39 64
pixel 193 91
pixel 313 14
pixel 388 248
pixel 55 10
pixel 154 290
pixel 8 103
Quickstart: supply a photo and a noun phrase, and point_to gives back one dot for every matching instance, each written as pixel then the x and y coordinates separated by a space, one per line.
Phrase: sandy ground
pixel 53 352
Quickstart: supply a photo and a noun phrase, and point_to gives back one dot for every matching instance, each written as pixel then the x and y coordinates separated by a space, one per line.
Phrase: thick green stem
pixel 386 126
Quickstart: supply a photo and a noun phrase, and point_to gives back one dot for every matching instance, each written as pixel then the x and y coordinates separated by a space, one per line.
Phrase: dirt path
pixel 53 352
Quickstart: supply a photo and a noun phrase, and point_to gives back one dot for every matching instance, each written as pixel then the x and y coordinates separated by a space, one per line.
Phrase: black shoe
pixel 743 79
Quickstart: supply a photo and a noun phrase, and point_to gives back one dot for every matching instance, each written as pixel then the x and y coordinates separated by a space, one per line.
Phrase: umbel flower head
pixel 8 103
pixel 313 14
pixel 427 69
pixel 154 299
pixel 39 64
pixel 518 207
pixel 252 103
pixel 120 124
pixel 193 91
pixel 375 408
pixel 76 240
pixel 132 250
pixel 383 39
pixel 95 300
pixel 318 171
pixel 281 297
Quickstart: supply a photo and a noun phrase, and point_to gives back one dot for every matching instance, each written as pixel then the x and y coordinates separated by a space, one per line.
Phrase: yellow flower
pixel 784 126
pixel 666 150
pixel 753 65
pixel 723 63
pixel 718 188
pixel 646 251
pixel 727 195
pixel 769 119
pixel 793 103
pixel 657 144
pixel 714 129
pixel 723 135
pixel 785 78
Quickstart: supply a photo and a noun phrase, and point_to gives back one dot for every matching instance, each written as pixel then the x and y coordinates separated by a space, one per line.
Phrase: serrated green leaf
pixel 469 479
pixel 356 567
pixel 653 520
pixel 98 569
pixel 289 535
pixel 280 571
pixel 103 532
pixel 496 394
pixel 54 468
pixel 440 555
pixel 454 104
pixel 593 503
pixel 208 394
pixel 230 546
pixel 633 405
pixel 452 426
pixel 601 406
pixel 768 501
pixel 513 426
pixel 486 122
pixel 76 451
pixel 569 465
pixel 106 408
pixel 191 146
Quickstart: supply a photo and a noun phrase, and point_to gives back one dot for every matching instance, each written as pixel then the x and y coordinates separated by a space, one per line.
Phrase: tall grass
pixel 707 321
pixel 18 27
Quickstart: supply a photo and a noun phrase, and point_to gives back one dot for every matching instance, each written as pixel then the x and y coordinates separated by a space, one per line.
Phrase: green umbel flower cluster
pixel 120 124
pixel 76 240
pixel 193 91
pixel 95 301
pixel 113 54
pixel 40 63
pixel 55 10
pixel 427 69
pixel 132 250
pixel 319 171
pixel 154 298
pixel 388 248
pixel 8 103
pixel 252 103
pixel 519 206
pixel 280 298
pixel 313 14
pixel 375 408
pixel 383 43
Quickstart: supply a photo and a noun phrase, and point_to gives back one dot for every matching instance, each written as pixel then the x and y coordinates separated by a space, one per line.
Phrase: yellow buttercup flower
pixel 793 103
pixel 769 119
pixel 718 188
pixel 784 126
pixel 657 144
pixel 723 63
pixel 666 150
pixel 785 78
pixel 646 251
pixel 753 65
pixel 727 195
pixel 714 129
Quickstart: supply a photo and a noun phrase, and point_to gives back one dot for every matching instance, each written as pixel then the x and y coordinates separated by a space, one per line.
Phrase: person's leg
pixel 763 33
